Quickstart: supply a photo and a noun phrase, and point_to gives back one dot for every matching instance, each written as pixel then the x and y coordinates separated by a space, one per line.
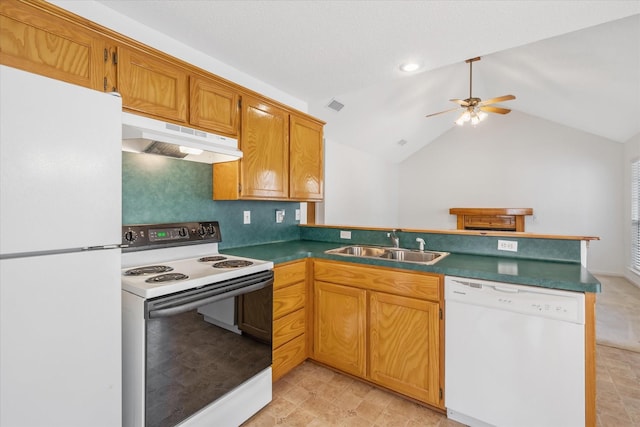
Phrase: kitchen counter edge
pixel 545 274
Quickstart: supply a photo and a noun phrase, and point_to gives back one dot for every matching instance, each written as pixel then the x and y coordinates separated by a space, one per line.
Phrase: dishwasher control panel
pixel 527 300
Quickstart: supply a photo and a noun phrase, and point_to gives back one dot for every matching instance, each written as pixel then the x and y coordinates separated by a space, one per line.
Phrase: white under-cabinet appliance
pixel 514 356
pixel 195 352
pixel 60 220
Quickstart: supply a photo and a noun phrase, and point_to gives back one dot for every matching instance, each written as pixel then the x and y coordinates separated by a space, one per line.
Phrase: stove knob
pixel 201 230
pixel 130 236
pixel 183 232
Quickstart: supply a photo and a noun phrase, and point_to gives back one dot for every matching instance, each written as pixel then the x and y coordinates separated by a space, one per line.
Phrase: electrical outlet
pixel 246 217
pixel 298 215
pixel 508 245
pixel 279 215
pixel 345 234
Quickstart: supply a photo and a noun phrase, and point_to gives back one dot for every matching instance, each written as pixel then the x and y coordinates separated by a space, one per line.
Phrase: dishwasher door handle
pixel 506 290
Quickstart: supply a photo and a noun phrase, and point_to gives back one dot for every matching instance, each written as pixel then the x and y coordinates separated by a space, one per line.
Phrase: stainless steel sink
pixel 395 254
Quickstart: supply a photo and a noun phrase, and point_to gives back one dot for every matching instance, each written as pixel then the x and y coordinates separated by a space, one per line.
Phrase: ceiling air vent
pixel 335 105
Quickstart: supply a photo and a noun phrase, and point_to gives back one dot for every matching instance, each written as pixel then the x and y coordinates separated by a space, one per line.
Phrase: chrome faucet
pixel 421 242
pixel 394 238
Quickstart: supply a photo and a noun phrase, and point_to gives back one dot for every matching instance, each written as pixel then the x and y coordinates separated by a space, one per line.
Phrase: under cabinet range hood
pixel 144 135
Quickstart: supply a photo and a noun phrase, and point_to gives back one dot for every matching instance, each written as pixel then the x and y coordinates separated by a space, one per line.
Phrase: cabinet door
pixel 152 86
pixel 404 352
pixel 264 167
pixel 37 41
pixel 213 106
pixel 340 327
pixel 254 311
pixel 306 156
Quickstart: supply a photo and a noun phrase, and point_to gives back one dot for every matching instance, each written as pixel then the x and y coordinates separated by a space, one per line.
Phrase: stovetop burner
pixel 169 277
pixel 145 271
pixel 232 263
pixel 212 258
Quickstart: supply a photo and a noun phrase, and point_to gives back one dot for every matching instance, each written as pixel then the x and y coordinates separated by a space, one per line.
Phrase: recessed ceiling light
pixel 409 67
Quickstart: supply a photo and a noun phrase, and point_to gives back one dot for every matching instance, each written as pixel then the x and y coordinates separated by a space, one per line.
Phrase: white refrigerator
pixel 60 222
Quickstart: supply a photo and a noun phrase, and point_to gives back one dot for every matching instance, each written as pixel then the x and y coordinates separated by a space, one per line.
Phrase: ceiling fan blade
pixel 496 100
pixel 442 112
pixel 498 110
pixel 460 101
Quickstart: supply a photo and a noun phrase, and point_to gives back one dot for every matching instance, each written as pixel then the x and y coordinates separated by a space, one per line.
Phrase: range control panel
pixel 152 236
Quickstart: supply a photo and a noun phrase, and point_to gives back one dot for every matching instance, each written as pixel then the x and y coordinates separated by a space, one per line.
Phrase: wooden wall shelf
pixel 499 219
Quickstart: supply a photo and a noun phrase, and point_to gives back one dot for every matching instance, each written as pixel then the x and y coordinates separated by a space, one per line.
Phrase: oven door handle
pixel 182 303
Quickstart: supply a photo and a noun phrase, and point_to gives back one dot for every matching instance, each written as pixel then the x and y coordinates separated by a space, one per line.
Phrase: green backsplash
pixel 530 248
pixel 158 189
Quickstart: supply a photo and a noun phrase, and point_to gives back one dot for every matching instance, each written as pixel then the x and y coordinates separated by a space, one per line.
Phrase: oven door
pixel 190 362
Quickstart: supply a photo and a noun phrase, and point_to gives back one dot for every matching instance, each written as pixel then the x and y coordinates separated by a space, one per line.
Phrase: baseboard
pixel 633 277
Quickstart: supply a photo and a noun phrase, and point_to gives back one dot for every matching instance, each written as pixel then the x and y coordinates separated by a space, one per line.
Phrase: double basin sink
pixel 389 253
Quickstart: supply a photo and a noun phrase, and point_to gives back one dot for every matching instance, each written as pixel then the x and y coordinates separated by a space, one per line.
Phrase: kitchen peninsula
pixel 353 292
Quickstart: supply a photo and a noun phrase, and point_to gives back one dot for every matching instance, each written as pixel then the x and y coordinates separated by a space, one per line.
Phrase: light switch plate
pixel 345 234
pixel 246 217
pixel 279 215
pixel 297 214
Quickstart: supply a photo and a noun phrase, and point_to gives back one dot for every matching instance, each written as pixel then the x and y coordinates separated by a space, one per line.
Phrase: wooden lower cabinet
pixel 289 317
pixel 340 321
pixel 381 325
pixel 404 348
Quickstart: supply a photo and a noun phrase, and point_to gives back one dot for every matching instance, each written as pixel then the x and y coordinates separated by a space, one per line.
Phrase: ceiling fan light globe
pixel 482 115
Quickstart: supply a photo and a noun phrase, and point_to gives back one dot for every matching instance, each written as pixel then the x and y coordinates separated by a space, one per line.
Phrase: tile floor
pixel 314 396
pixel 618 313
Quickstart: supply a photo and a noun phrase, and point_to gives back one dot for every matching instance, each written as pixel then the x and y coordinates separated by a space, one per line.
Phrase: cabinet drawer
pixel 288 327
pixel 485 222
pixel 289 299
pixel 417 285
pixel 288 356
pixel 289 273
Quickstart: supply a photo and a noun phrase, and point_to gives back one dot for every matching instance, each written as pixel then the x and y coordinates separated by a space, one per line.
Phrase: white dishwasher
pixel 514 355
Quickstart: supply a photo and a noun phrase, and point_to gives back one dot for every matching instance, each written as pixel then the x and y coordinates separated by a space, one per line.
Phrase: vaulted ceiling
pixel 575 63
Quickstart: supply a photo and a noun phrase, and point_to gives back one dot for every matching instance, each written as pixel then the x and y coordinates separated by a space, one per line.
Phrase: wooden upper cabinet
pixel 152 86
pixel 306 179
pixel 37 41
pixel 264 141
pixel 213 106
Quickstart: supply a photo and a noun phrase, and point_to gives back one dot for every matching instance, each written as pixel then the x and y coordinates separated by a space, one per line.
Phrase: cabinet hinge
pixel 106 54
pixel 239 188
pixel 440 394
pixel 115 58
pixel 105 84
pixel 239 103
pixel 440 314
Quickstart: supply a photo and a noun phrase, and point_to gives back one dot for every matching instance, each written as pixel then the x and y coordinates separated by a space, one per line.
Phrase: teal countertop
pixel 567 276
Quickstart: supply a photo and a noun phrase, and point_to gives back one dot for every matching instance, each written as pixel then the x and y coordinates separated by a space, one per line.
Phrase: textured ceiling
pixel 576 63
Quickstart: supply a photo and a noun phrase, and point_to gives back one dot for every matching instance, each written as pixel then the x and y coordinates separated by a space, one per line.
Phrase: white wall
pixel 572 180
pixel 360 189
pixel 631 153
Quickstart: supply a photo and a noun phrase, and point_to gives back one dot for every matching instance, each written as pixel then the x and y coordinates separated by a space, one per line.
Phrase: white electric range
pixel 186 360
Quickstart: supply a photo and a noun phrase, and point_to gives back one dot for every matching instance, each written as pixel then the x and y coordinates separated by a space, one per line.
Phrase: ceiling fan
pixel 474 109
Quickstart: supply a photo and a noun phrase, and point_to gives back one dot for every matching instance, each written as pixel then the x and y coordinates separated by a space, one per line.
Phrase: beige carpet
pixel 618 314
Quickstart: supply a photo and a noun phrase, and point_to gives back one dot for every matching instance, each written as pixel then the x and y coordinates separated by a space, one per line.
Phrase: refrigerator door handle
pixel 96 248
